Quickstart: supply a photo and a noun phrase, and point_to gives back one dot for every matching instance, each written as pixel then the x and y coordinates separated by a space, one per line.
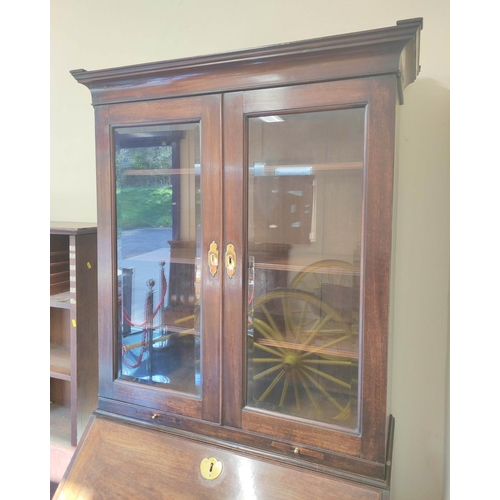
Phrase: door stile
pixel 234 328
pixel 377 262
pixel 211 289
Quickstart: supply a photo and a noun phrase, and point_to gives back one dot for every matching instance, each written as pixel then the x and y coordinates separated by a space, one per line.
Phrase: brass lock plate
pixel 211 468
pixel 213 258
pixel 230 260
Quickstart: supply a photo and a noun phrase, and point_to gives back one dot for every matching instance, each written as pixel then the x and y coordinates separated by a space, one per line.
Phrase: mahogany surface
pixel 122 460
pixel 380 51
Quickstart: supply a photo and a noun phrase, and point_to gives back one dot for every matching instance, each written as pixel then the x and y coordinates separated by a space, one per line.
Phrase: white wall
pixel 97 34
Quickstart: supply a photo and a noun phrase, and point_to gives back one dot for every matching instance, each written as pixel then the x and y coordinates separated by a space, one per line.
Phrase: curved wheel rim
pixel 327 271
pixel 299 349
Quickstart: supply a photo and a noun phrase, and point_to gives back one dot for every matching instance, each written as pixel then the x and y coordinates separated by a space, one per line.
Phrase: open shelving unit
pixel 73 337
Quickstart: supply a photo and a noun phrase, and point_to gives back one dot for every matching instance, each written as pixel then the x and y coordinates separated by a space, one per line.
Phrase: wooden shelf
pixel 274 266
pixel 267 169
pixel 72 228
pixel 60 300
pixel 348 349
pixel 60 362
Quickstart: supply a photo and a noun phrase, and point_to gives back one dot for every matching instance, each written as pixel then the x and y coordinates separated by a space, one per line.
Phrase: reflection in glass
pixel 158 249
pixel 305 196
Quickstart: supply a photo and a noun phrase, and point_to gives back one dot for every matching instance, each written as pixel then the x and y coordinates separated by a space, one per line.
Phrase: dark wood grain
pixel 206 110
pixel 120 460
pixel 377 258
pixel 234 310
pixel 85 361
pixel 374 52
pixel 212 213
pixel 236 438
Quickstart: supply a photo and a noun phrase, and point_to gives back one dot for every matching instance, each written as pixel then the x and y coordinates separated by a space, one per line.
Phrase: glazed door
pixel 311 169
pixel 162 207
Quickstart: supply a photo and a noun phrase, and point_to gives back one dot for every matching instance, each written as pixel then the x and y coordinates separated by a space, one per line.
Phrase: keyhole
pixel 210 468
pixel 230 259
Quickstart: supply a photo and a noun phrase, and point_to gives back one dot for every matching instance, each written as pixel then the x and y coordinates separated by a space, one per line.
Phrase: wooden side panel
pixel 85 358
pixel 377 260
pixel 121 460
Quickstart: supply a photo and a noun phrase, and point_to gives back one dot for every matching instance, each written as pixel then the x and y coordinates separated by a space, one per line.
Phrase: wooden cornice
pixel 393 50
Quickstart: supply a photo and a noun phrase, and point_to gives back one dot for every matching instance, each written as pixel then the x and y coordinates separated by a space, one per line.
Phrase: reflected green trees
pixel 143 198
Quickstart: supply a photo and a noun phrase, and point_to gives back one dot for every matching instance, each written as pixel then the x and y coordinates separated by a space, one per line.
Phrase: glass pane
pixel 158 222
pixel 305 229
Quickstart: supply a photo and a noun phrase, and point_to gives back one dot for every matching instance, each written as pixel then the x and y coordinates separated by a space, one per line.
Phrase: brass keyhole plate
pixel 213 258
pixel 230 260
pixel 211 468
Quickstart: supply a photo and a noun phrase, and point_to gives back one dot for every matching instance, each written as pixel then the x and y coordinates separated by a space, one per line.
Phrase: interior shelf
pixel 60 300
pixel 60 362
pixel 267 169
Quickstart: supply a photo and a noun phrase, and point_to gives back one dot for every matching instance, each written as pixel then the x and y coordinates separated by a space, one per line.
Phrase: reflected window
pixel 158 233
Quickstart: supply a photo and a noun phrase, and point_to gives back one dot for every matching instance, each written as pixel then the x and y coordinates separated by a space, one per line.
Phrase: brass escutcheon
pixel 230 260
pixel 213 258
pixel 211 468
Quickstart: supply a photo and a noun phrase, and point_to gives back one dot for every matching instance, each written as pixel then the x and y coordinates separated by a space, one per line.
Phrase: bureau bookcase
pixel 245 212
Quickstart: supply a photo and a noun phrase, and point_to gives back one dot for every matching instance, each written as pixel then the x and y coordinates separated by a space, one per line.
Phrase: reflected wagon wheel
pixel 331 272
pixel 333 281
pixel 301 356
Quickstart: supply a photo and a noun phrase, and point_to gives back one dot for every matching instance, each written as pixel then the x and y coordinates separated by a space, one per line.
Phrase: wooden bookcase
pixel 269 349
pixel 73 336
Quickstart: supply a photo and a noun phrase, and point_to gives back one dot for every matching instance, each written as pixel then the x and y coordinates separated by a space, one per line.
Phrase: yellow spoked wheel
pixel 334 282
pixel 302 360
pixel 332 272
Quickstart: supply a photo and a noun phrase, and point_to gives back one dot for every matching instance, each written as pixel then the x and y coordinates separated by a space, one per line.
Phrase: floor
pixel 53 488
pixel 60 457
